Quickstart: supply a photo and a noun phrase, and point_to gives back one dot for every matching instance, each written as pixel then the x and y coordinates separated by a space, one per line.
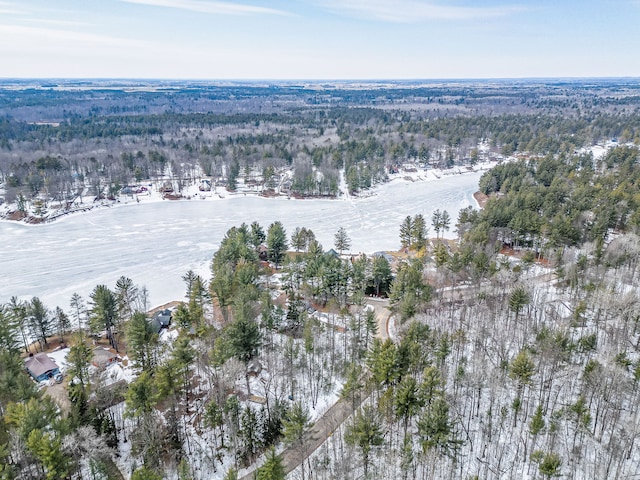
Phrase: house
pixel 41 367
pixel 160 320
pixel 332 253
pixel 103 357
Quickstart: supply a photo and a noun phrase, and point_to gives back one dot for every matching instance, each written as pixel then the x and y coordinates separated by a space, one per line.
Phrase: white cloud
pixel 203 6
pixel 412 11
pixel 38 38
pixel 8 8
pixel 61 23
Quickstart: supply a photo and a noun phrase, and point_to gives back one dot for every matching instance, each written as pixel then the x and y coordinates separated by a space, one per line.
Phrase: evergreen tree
pixel 364 433
pixel 104 312
pixel 141 396
pixel 47 448
pixel 276 243
pixel 8 332
pixel 245 338
pixel 18 316
pixel 79 360
pixel 537 423
pixel 142 341
pixel 342 241
pixel 407 401
pixel 62 322
pixel 518 299
pixel 78 309
pixel 435 429
pixel 144 473
pixel 406 232
pixel 40 322
pixel 419 233
pixel 381 275
pixel 272 469
pixel 295 425
pixel 299 239
pixel 257 236
pixel 125 293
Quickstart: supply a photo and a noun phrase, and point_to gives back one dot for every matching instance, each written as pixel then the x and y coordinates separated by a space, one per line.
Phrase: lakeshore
pixel 156 241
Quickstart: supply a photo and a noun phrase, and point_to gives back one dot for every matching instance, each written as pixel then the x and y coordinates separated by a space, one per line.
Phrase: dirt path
pixel 315 436
pixel 337 414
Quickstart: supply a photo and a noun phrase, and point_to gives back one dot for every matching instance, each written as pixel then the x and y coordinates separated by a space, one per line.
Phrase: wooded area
pixel 512 352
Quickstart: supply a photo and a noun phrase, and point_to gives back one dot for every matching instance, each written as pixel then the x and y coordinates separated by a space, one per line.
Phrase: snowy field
pixel 155 243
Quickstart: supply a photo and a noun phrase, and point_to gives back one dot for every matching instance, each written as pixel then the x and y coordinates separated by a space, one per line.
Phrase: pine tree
pixel 364 433
pixel 342 241
pixel 144 473
pixel 298 239
pixel 419 232
pixel 537 423
pixel 78 309
pixel 406 232
pixel 141 396
pixel 272 469
pixel 436 221
pixel 276 243
pixel 295 426
pixel 256 236
pixel 62 322
pixel 407 401
pixel 47 447
pixel 125 293
pixel 518 299
pixel 104 312
pixel 381 274
pixel 142 341
pixel 39 320
pixel 435 429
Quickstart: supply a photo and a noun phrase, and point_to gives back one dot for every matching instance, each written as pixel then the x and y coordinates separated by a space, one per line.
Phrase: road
pixel 383 315
pixel 339 411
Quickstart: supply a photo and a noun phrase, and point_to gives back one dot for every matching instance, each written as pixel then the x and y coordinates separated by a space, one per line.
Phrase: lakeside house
pixel 160 320
pixel 41 367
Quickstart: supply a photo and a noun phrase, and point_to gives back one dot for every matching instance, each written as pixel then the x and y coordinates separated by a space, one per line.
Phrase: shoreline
pixel 191 193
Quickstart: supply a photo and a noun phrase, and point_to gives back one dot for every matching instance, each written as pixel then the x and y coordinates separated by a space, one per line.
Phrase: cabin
pixel 41 367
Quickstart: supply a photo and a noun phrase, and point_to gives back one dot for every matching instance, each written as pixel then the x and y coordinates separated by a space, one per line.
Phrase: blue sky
pixel 319 39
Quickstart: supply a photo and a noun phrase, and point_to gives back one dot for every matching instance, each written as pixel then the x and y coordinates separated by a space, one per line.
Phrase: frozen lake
pixel 156 243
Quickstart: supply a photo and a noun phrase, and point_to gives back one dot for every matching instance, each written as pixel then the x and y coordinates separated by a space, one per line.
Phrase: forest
pixel 59 141
pixel 510 352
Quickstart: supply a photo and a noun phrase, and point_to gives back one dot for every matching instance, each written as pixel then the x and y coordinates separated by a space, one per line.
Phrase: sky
pixel 319 39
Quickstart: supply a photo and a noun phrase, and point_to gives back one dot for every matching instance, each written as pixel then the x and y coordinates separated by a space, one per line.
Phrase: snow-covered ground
pixel 156 242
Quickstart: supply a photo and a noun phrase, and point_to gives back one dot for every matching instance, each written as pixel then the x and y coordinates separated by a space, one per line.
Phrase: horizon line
pixel 314 80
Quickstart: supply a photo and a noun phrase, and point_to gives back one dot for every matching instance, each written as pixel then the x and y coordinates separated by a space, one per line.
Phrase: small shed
pixel 160 320
pixel 103 357
pixel 41 367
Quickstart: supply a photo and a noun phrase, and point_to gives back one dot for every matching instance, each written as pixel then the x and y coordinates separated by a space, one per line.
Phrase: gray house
pixel 160 320
pixel 41 367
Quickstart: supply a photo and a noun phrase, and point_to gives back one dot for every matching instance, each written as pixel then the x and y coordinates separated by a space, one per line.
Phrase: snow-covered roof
pixel 40 363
